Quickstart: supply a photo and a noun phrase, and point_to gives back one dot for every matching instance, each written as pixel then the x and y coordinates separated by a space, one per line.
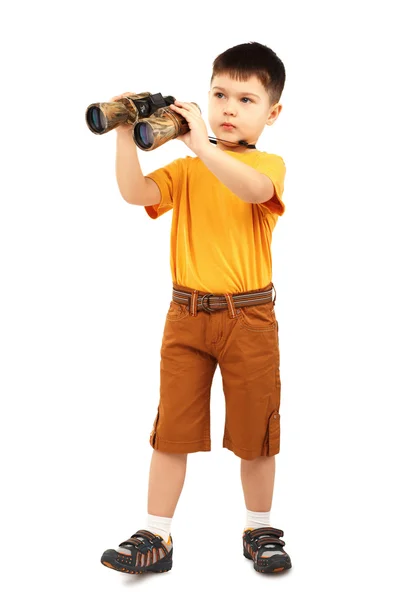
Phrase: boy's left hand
pixel 197 138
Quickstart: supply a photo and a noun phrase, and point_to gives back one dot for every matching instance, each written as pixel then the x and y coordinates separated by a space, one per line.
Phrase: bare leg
pixel 258 482
pixel 166 479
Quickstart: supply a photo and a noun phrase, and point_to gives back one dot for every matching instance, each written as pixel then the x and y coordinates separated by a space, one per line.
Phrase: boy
pixel 226 201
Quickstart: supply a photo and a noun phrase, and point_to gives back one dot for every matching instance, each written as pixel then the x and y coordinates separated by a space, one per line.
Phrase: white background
pixel 85 286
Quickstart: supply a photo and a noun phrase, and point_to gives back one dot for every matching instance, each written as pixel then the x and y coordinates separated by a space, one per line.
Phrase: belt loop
pixel 193 303
pixel 231 306
pixel 273 287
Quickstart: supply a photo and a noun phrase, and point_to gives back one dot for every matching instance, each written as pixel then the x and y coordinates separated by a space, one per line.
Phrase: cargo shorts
pixel 244 343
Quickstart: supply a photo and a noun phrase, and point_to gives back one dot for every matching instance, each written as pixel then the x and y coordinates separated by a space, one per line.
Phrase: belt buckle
pixel 207 309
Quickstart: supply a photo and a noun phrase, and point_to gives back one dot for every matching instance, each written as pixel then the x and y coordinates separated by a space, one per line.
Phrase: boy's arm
pixel 247 183
pixel 133 186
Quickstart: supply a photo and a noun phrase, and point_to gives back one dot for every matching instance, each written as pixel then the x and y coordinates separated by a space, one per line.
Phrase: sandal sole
pixel 108 560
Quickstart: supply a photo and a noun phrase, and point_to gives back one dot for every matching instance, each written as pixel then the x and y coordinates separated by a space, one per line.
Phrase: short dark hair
pixel 242 61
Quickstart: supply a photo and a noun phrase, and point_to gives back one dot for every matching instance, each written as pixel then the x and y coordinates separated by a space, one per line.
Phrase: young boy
pixel 226 201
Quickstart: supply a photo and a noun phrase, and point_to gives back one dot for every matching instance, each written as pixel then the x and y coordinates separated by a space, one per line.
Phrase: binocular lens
pixel 144 135
pixel 96 119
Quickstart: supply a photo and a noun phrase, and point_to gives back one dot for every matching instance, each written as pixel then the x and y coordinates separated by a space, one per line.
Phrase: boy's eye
pixel 244 98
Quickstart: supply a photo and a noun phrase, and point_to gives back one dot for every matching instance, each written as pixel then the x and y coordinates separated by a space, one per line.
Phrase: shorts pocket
pixel 274 434
pixel 260 317
pixel 177 312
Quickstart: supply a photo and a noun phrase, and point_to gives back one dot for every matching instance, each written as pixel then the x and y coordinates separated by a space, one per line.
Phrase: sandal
pixel 148 553
pixel 263 546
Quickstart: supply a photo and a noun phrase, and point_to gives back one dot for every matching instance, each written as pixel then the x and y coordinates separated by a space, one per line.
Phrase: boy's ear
pixel 274 114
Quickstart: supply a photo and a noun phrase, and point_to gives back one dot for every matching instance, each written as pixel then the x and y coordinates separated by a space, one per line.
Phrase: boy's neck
pixel 244 151
pixel 237 150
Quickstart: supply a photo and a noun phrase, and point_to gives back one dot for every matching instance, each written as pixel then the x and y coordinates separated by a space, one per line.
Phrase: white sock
pixel 159 525
pixel 257 519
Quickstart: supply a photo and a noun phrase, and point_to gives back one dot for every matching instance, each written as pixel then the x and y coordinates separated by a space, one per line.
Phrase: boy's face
pixel 245 104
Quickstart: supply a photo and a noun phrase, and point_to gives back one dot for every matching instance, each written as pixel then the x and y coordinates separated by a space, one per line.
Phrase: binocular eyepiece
pixel 153 123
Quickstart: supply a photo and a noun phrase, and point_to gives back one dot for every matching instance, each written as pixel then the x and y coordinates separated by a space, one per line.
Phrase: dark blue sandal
pixel 149 553
pixel 265 548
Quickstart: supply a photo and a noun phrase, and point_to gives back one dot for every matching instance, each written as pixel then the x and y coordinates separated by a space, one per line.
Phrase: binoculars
pixel 153 122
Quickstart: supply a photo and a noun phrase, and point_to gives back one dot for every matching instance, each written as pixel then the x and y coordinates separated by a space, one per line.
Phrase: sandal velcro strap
pixel 150 541
pixel 154 539
pixel 131 542
pixel 264 540
pixel 255 533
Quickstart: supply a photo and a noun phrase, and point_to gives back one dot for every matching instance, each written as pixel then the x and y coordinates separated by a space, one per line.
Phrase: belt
pixel 213 302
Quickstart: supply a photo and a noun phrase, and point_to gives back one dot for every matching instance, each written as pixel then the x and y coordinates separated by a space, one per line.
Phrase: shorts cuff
pixel 181 447
pixel 243 453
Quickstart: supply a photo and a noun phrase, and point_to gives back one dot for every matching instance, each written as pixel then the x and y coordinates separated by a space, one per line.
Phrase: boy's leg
pixel 257 477
pixel 261 542
pixel 166 479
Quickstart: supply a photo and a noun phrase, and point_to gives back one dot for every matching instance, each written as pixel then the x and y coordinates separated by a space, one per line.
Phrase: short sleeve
pixel 169 181
pixel 274 167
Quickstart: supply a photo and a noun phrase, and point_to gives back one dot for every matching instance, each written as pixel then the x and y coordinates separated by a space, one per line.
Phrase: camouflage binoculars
pixel 153 122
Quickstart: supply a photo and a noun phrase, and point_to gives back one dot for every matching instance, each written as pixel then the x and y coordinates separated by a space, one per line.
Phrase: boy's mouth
pixel 228 126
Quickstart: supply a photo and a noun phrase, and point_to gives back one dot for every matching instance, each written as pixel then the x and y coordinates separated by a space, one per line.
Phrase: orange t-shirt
pixel 219 243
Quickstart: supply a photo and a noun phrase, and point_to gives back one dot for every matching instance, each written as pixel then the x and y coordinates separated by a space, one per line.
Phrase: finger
pixel 190 108
pixel 182 104
pixel 187 105
pixel 179 108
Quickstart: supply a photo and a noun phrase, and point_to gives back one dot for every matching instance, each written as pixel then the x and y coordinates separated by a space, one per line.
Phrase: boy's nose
pixel 229 111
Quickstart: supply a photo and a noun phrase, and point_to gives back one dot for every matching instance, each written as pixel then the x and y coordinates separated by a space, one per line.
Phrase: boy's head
pixel 246 85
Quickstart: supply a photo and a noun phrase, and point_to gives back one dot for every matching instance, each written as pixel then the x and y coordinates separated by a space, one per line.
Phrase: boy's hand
pixel 197 138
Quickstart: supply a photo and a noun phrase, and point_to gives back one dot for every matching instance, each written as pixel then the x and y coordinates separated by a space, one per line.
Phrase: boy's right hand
pixel 124 127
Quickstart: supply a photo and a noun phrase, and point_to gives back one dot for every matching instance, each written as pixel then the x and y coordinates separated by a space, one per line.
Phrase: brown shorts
pixel 244 343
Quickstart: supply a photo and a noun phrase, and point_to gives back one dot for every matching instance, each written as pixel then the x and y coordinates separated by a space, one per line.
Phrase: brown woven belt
pixel 213 302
